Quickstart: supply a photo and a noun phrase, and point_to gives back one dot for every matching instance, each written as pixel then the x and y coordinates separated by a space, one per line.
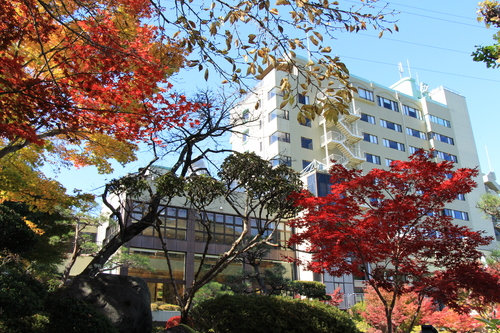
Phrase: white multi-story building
pixel 384 124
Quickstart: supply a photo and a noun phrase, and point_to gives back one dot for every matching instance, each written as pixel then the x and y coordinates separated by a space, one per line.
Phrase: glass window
pixel 306 122
pixel 368 118
pixel 412 112
pixel 370 138
pixel 388 104
pixel 441 137
pixel 439 121
pixel 415 133
pixel 446 156
pixel 279 136
pixel 365 94
pixel 281 159
pixel 456 214
pixel 388 162
pixel 305 164
pixel 372 158
pixel 246 136
pixel 277 113
pixel 246 115
pixel 303 99
pixel 394 145
pixel 413 149
pixel 274 92
pixel 306 143
pixel 391 125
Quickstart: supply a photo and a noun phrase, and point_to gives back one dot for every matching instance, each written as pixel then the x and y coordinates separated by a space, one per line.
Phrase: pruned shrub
pixel 310 289
pixel 253 314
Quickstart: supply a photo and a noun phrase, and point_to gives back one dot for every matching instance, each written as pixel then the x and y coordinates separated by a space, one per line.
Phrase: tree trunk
pixel 114 244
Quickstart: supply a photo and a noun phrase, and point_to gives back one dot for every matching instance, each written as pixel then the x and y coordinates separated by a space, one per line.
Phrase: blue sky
pixel 434 44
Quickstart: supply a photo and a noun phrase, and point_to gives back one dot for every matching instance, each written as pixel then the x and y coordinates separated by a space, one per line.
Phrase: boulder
pixel 125 300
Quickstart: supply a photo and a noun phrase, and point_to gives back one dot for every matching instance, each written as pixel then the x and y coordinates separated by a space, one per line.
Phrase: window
pixel 388 104
pixel 439 121
pixel 372 158
pixel 303 99
pixel 281 159
pixel 274 92
pixel 388 162
pixel 306 122
pixel 246 115
pixel 305 164
pixel 174 222
pixel 368 118
pixel 370 138
pixel 279 136
pixel 365 94
pixel 413 149
pixel 394 145
pixel 441 137
pixel 306 143
pixel 456 214
pixel 415 133
pixel 409 111
pixel 461 197
pixel 391 125
pixel 283 114
pixel 246 136
pixel 446 156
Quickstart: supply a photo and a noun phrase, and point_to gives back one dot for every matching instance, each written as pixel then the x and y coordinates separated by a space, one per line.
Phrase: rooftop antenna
pixel 400 67
pixel 409 69
pixel 488 157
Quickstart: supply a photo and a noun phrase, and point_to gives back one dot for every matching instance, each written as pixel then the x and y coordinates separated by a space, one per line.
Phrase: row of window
pixel 370 119
pixel 389 104
pixel 399 146
pixel 441 154
pixel 410 131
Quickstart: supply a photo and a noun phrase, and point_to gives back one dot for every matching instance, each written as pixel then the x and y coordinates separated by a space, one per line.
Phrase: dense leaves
pixel 74 70
pixel 244 314
pixel 388 226
pixel 489 13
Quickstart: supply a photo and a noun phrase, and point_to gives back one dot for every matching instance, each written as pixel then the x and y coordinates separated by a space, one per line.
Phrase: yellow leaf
pixel 313 40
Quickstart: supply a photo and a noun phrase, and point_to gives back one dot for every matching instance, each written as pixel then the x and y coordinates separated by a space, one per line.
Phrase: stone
pixel 124 300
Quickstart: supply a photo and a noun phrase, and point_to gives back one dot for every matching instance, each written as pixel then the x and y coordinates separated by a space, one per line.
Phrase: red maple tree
pixel 71 69
pixel 389 226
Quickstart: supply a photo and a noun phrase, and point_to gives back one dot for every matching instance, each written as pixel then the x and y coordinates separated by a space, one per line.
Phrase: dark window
pixel 303 99
pixel 365 94
pixel 306 143
pixel 368 118
pixel 372 158
pixel 388 104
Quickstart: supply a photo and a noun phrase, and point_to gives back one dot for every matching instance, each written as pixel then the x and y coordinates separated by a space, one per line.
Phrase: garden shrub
pixel 169 307
pixel 310 289
pixel 70 315
pixel 254 314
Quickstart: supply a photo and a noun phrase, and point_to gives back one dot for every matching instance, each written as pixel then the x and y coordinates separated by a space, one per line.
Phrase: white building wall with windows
pixel 384 124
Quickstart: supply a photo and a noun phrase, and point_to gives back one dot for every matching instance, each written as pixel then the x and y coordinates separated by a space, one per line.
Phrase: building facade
pixel 384 124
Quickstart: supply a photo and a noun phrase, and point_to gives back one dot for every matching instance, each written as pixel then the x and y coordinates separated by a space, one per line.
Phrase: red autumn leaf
pixel 389 226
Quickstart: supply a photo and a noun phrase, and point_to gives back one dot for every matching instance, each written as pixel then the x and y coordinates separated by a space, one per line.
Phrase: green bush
pixel 70 315
pixel 310 289
pixel 20 294
pixel 169 307
pixel 254 314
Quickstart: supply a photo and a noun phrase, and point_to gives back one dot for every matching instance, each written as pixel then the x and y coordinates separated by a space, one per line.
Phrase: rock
pixel 125 300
